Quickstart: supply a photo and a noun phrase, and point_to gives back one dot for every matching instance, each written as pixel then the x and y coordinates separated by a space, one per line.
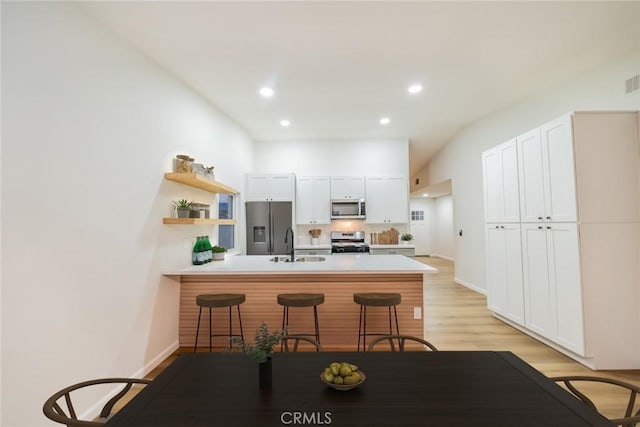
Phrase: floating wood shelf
pixel 191 221
pixel 201 182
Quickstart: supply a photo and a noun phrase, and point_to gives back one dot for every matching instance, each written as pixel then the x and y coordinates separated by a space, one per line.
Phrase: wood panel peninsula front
pixel 338 277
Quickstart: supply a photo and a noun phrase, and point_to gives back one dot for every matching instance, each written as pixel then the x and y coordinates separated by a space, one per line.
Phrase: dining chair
pixel 631 416
pixel 54 411
pixel 401 339
pixel 296 341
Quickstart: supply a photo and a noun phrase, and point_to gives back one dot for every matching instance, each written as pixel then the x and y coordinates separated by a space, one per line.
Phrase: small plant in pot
pixel 183 207
pixel 261 351
pixel 406 238
pixel 218 253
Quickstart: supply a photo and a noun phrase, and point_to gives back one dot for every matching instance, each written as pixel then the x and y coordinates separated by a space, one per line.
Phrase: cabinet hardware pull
pixel 539 217
pixel 539 227
pixel 548 217
pixel 548 228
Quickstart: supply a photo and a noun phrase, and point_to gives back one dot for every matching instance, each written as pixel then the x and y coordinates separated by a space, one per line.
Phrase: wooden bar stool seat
pixel 211 301
pixel 376 299
pixel 301 300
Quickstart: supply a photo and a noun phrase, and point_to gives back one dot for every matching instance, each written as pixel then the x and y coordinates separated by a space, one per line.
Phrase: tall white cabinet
pixel 566 270
pixel 313 200
pixel 387 200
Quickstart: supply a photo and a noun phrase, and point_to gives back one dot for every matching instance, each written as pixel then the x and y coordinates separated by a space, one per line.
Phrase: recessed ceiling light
pixel 266 92
pixel 385 121
pixel 425 194
pixel 284 123
pixel 416 88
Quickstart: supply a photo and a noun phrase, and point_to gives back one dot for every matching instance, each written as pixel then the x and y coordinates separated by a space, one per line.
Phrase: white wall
pixel 349 157
pixel 444 227
pixel 600 89
pixel 89 128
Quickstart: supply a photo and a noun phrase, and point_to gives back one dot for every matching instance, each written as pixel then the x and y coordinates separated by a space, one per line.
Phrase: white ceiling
pixel 337 67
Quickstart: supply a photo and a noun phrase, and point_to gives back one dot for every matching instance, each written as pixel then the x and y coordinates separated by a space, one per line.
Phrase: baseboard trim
pixel 470 286
pixel 94 410
pixel 444 257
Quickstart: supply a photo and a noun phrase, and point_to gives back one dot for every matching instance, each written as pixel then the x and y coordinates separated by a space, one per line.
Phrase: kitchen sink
pixel 310 259
pixel 281 259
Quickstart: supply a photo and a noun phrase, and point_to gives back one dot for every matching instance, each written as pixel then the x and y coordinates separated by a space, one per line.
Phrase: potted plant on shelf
pixel 218 253
pixel 406 238
pixel 261 351
pixel 183 207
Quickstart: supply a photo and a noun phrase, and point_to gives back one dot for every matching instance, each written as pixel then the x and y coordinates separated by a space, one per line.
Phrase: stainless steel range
pixel 348 242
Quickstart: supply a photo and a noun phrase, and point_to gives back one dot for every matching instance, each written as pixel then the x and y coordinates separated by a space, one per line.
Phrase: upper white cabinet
pixel 500 169
pixel 269 187
pixel 504 271
pixel 347 187
pixel 387 200
pixel 313 200
pixel 547 178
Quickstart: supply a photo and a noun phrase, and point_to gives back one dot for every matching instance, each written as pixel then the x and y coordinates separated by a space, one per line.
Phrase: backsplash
pixel 304 238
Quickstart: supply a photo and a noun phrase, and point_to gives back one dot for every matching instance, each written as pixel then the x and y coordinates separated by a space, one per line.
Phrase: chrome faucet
pixel 286 241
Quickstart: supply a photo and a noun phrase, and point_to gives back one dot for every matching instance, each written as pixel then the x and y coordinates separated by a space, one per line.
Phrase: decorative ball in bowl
pixel 342 376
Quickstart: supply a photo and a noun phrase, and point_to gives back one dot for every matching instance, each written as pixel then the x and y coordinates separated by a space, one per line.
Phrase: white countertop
pixel 346 264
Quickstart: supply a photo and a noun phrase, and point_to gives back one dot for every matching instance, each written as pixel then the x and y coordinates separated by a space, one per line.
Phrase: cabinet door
pixel 560 185
pixel 356 187
pixel 321 200
pixel 513 272
pixel 538 309
pixel 492 185
pixel 376 200
pixel 304 200
pixel 281 188
pixel 496 272
pixel 339 187
pixel 397 200
pixel 565 283
pixel 510 199
pixel 531 172
pixel 258 188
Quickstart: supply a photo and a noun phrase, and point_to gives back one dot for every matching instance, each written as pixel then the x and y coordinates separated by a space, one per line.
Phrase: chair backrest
pixel 631 416
pixel 54 411
pixel 400 339
pixel 287 339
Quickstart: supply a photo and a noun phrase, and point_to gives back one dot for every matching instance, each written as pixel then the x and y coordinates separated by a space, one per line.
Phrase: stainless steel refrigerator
pixel 267 224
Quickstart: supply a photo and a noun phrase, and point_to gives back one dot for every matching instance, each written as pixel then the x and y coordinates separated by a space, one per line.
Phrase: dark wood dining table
pixel 458 388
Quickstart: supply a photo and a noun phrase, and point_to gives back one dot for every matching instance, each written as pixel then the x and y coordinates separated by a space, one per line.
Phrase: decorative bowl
pixel 345 387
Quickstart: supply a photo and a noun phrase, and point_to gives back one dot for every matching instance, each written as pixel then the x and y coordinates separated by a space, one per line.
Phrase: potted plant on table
pixel 183 207
pixel 406 238
pixel 261 351
pixel 218 253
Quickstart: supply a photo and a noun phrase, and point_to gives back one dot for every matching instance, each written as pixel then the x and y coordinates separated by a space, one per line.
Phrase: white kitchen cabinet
pixel 392 250
pixel 387 200
pixel 547 178
pixel 320 251
pixel 347 187
pixel 504 271
pixel 551 267
pixel 313 200
pixel 270 187
pixel 500 170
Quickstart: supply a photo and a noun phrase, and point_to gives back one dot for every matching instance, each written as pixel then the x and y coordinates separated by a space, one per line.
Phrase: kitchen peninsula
pixel 337 276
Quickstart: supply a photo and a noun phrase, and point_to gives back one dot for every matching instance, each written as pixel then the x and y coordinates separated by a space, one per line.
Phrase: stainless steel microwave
pixel 348 209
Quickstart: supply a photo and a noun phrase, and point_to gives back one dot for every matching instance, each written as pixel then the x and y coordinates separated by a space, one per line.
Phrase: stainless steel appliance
pixel 348 242
pixel 267 224
pixel 348 209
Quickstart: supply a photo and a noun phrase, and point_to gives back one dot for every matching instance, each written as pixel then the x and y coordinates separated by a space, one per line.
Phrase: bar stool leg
pixel 359 327
pixel 315 318
pixel 195 346
pixel 230 327
pixel 240 320
pixel 285 324
pixel 364 335
pixel 395 312
pixel 210 330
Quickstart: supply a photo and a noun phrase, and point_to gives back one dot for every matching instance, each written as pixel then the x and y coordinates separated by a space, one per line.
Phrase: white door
pixel 531 171
pixel 510 199
pixel 496 271
pixel 321 200
pixel 564 269
pixel 560 184
pixel 535 268
pixel 304 200
pixel 492 185
pixel 513 272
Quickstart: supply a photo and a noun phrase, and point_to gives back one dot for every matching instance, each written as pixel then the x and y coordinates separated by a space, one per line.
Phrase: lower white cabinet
pixel 504 271
pixel 304 252
pixel 551 277
pixel 410 252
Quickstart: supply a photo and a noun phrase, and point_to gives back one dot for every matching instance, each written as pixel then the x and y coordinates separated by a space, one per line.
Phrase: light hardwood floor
pixel 457 318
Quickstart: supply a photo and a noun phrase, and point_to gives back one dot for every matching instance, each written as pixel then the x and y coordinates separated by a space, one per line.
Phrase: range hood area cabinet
pixel 578 187
pixel 313 200
pixel 270 187
pixel 347 187
pixel 387 200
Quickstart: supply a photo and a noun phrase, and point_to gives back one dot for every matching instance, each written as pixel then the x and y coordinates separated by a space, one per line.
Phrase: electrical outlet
pixel 417 313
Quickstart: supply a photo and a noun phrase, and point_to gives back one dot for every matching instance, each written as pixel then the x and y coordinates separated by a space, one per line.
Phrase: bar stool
pixel 375 299
pixel 219 300
pixel 301 300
